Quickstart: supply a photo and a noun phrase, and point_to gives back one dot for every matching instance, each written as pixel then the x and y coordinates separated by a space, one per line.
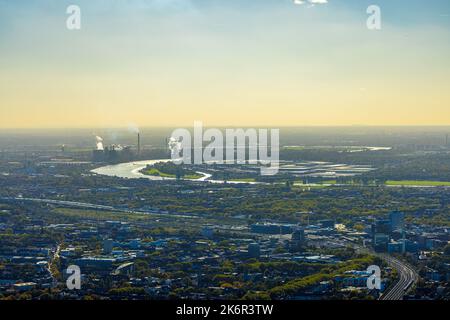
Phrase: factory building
pixel 113 153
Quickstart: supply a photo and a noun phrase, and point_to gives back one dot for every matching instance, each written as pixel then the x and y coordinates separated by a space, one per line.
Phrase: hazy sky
pixel 224 62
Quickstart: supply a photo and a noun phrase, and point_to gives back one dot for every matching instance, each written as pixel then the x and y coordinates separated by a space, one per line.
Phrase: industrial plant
pixel 115 153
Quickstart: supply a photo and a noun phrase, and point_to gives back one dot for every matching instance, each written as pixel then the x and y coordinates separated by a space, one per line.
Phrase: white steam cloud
pixel 133 128
pixel 174 147
pixel 99 143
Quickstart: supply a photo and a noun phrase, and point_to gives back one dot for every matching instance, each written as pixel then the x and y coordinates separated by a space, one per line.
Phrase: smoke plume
pixel 99 143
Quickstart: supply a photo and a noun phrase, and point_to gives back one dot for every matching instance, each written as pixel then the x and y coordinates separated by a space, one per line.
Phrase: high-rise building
pixel 396 219
pixel 381 226
pixel 381 241
pixel 297 239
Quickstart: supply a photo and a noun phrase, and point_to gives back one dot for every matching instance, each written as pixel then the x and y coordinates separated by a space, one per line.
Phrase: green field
pixel 192 176
pixel 156 172
pixel 329 182
pixel 159 173
pixel 424 183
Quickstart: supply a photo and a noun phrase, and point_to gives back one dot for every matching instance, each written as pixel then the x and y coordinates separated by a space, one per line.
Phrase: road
pixel 408 277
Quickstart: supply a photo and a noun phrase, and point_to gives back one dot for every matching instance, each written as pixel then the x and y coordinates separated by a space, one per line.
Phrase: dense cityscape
pixel 305 235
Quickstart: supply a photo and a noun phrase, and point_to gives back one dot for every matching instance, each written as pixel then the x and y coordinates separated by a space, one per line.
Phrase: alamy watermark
pixel 374 20
pixel 374 280
pixel 73 21
pixel 239 146
pixel 74 280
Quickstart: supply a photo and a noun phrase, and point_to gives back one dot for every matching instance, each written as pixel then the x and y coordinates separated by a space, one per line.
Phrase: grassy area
pixel 192 176
pixel 156 172
pixel 159 173
pixel 329 182
pixel 417 183
pixel 98 215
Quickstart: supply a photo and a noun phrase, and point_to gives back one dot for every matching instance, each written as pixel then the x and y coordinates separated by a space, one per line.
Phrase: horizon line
pixel 234 126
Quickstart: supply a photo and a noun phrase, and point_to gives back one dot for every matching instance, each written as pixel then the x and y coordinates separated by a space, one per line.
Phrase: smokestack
pixel 139 143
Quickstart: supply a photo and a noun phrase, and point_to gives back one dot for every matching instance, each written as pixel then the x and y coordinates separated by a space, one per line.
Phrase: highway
pixel 408 277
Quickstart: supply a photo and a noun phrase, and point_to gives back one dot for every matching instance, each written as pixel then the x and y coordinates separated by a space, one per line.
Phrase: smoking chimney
pixel 139 143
